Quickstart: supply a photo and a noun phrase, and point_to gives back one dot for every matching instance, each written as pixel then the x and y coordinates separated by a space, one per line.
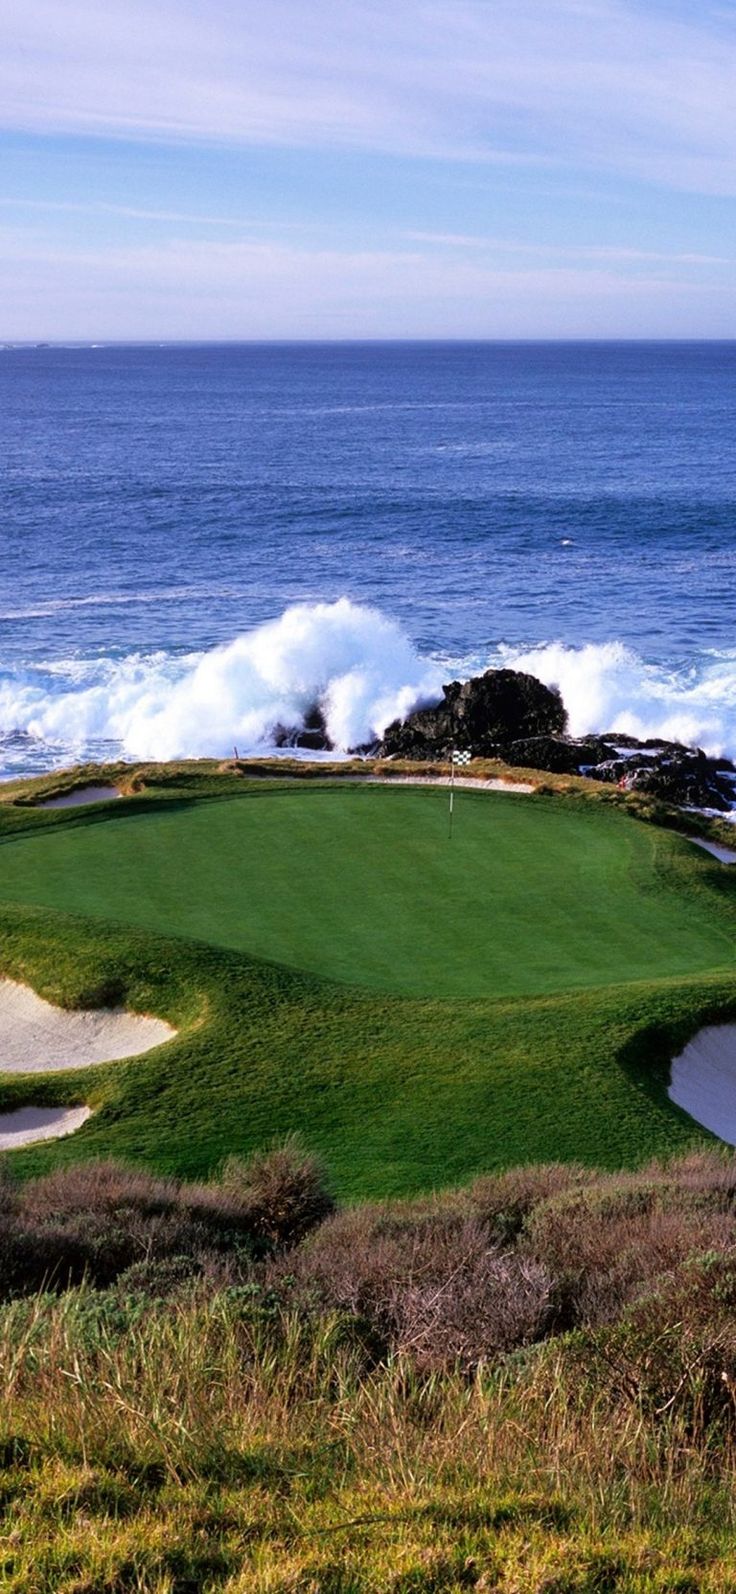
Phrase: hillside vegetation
pixel 525 1387
pixel 224 1370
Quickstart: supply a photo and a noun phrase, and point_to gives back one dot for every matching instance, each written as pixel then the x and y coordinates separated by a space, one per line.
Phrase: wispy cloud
pixel 603 252
pixel 99 208
pixel 263 289
pixel 616 85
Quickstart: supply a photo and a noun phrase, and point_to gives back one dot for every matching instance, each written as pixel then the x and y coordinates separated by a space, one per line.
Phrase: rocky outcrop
pixel 312 735
pixel 509 715
pixel 485 715
pixel 684 776
pixel 561 755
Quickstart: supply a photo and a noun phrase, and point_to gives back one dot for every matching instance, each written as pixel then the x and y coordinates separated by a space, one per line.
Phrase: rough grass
pixel 241 1439
pixel 197 1452
pixel 399 1092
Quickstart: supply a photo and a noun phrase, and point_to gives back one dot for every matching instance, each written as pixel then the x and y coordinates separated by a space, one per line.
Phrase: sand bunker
pixel 37 1038
pixel 465 781
pixel 26 1124
pixel 83 794
pixel 723 854
pixel 703 1080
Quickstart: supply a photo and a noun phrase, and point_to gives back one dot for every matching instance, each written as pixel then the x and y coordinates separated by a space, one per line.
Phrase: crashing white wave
pixel 362 671
pixel 353 662
pixel 608 687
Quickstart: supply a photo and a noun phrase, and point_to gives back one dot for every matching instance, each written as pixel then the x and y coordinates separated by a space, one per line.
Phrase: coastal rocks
pixel 560 755
pixel 509 715
pixel 312 735
pixel 684 776
pixel 486 714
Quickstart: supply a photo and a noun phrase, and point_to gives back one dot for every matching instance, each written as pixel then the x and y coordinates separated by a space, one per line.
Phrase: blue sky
pixel 375 168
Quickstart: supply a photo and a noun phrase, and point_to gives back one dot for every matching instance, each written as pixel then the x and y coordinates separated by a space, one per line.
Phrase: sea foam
pixel 352 661
pixel 362 671
pixel 608 687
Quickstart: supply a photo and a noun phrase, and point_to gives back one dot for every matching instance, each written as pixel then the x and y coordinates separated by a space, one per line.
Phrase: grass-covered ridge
pixel 421 1009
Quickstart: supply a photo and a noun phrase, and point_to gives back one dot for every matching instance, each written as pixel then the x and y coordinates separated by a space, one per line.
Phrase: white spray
pixel 363 672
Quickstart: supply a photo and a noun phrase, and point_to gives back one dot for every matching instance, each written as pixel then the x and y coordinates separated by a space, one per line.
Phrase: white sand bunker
pixel 723 854
pixel 83 794
pixel 703 1080
pixel 466 781
pixel 26 1124
pixel 38 1038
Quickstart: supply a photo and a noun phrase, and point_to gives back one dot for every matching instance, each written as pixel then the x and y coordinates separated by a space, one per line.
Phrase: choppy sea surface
pixel 199 542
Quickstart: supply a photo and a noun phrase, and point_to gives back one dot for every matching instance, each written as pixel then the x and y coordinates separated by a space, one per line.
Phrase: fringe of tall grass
pixel 192 1388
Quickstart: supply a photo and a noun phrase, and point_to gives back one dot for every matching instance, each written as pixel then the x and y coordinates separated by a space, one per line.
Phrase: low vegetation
pixel 527 1385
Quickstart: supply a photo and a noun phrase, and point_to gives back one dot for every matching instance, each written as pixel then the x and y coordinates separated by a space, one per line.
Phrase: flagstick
pixel 452 791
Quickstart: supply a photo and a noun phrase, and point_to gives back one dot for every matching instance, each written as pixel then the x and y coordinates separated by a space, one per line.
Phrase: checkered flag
pixel 459 759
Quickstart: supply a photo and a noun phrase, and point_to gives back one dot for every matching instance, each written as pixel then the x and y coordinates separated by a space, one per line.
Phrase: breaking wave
pixel 608 687
pixel 354 663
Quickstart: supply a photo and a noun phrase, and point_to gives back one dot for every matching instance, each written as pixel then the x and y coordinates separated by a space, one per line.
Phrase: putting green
pixel 363 885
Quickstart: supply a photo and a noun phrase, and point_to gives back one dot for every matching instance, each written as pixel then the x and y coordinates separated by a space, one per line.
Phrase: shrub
pixel 605 1244
pixel 284 1191
pixel 505 1200
pixel 427 1282
pixel 673 1352
pixel 97 1220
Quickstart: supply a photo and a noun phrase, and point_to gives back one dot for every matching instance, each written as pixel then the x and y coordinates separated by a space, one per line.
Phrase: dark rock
pixel 684 783
pixel 312 734
pixel 313 740
pixel 484 714
pixel 680 775
pixel 558 754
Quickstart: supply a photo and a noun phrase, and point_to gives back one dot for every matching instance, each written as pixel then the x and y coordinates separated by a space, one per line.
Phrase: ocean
pixel 200 541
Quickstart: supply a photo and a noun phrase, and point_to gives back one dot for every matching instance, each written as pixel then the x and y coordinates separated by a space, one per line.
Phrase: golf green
pixel 364 885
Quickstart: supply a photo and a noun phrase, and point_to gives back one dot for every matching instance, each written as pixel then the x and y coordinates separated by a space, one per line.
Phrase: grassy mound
pixel 421 1008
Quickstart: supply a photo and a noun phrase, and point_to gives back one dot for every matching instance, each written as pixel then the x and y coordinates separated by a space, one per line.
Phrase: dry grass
pixel 387 1408
pixel 210 1446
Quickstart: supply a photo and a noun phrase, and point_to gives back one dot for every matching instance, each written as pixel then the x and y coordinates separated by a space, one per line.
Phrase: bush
pixel 284 1191
pixel 673 1352
pixel 608 1243
pixel 97 1220
pixel 427 1282
pixel 504 1201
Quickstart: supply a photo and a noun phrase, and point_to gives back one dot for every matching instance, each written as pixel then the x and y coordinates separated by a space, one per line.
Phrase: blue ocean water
pixel 569 506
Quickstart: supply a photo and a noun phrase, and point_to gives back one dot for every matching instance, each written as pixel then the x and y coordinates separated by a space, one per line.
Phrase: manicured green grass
pixel 419 1009
pixel 364 886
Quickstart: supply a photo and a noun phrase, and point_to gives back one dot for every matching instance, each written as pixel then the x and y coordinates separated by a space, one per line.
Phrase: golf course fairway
pixel 420 1007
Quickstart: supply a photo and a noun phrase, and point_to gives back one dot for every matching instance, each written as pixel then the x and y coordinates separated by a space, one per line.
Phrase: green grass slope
pixel 420 1009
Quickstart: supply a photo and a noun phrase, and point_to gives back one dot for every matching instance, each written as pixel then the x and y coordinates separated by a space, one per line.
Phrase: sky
pixel 237 169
